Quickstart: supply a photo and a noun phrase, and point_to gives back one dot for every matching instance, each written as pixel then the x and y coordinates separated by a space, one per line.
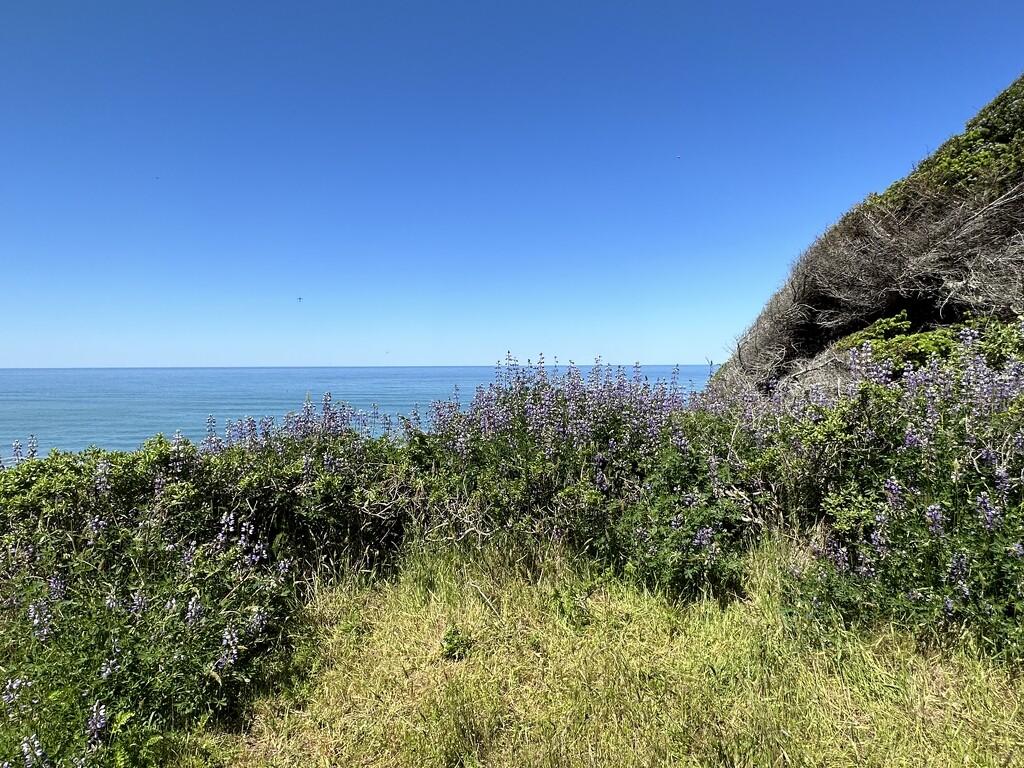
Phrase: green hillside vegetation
pixel 941 245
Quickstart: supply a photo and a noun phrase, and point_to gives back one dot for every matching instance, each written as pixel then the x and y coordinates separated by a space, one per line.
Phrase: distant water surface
pixel 119 408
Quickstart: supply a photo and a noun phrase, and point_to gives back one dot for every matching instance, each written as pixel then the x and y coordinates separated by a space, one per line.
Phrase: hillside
pixel 945 243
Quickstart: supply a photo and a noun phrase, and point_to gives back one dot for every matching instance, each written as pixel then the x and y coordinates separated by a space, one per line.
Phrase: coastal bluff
pixel 944 244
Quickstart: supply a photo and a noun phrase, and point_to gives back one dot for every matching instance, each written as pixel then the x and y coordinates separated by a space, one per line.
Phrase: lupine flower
pixel 194 611
pixel 255 554
pixel 15 692
pixel 267 428
pixel 109 667
pixel 227 530
pixel 866 567
pixel 229 649
pixel 188 555
pixel 211 443
pixel 893 491
pixel 179 444
pixel 879 535
pixel 16 452
pixel 258 623
pixel 838 555
pixel 95 526
pixel 33 752
pixel 138 604
pixel 704 537
pixel 957 574
pixel 102 478
pixel 933 514
pixel 253 550
pixel 33 447
pixel 96 724
pixel 988 456
pixel 914 439
pixel 990 514
pixel 56 586
pixel 39 615
pixel 284 567
pixel 1002 483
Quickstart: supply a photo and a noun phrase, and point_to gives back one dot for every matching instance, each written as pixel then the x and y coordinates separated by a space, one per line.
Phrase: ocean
pixel 71 409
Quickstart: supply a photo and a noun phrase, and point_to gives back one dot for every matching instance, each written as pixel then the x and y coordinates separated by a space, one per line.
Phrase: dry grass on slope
pixel 489 658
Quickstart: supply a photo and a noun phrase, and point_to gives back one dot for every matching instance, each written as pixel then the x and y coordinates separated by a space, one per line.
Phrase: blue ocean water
pixel 119 408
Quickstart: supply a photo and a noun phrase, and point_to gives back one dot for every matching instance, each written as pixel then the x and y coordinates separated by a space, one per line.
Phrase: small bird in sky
pixel 300 299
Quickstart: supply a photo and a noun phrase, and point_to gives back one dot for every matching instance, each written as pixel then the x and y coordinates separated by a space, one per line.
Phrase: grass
pixel 520 655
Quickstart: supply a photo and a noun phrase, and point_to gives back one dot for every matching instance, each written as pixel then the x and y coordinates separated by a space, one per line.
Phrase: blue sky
pixel 444 182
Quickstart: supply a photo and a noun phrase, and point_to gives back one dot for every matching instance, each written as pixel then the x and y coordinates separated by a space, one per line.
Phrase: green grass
pixel 522 656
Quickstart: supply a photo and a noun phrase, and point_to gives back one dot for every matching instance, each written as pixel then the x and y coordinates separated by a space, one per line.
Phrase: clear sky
pixel 442 182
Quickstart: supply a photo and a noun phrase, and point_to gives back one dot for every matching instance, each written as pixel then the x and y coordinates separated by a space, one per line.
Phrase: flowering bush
pixel 142 593
pixel 922 509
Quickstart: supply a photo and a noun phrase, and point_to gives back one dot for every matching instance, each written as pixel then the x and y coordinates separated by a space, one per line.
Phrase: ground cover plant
pixel 525 655
pixel 151 595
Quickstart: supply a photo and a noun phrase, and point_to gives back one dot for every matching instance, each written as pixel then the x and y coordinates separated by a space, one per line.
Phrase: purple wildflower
pixel 96 724
pixel 1002 483
pixel 179 447
pixel 56 586
pixel 39 615
pixel 188 555
pixel 933 514
pixel 838 555
pixel 211 443
pixel 866 567
pixel 109 667
pixel 101 479
pixel 258 623
pixel 229 649
pixel 227 530
pixel 33 753
pixel 893 491
pixel 15 691
pixel 95 526
pixel 991 517
pixel 957 574
pixel 704 537
pixel 194 611
pixel 138 605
